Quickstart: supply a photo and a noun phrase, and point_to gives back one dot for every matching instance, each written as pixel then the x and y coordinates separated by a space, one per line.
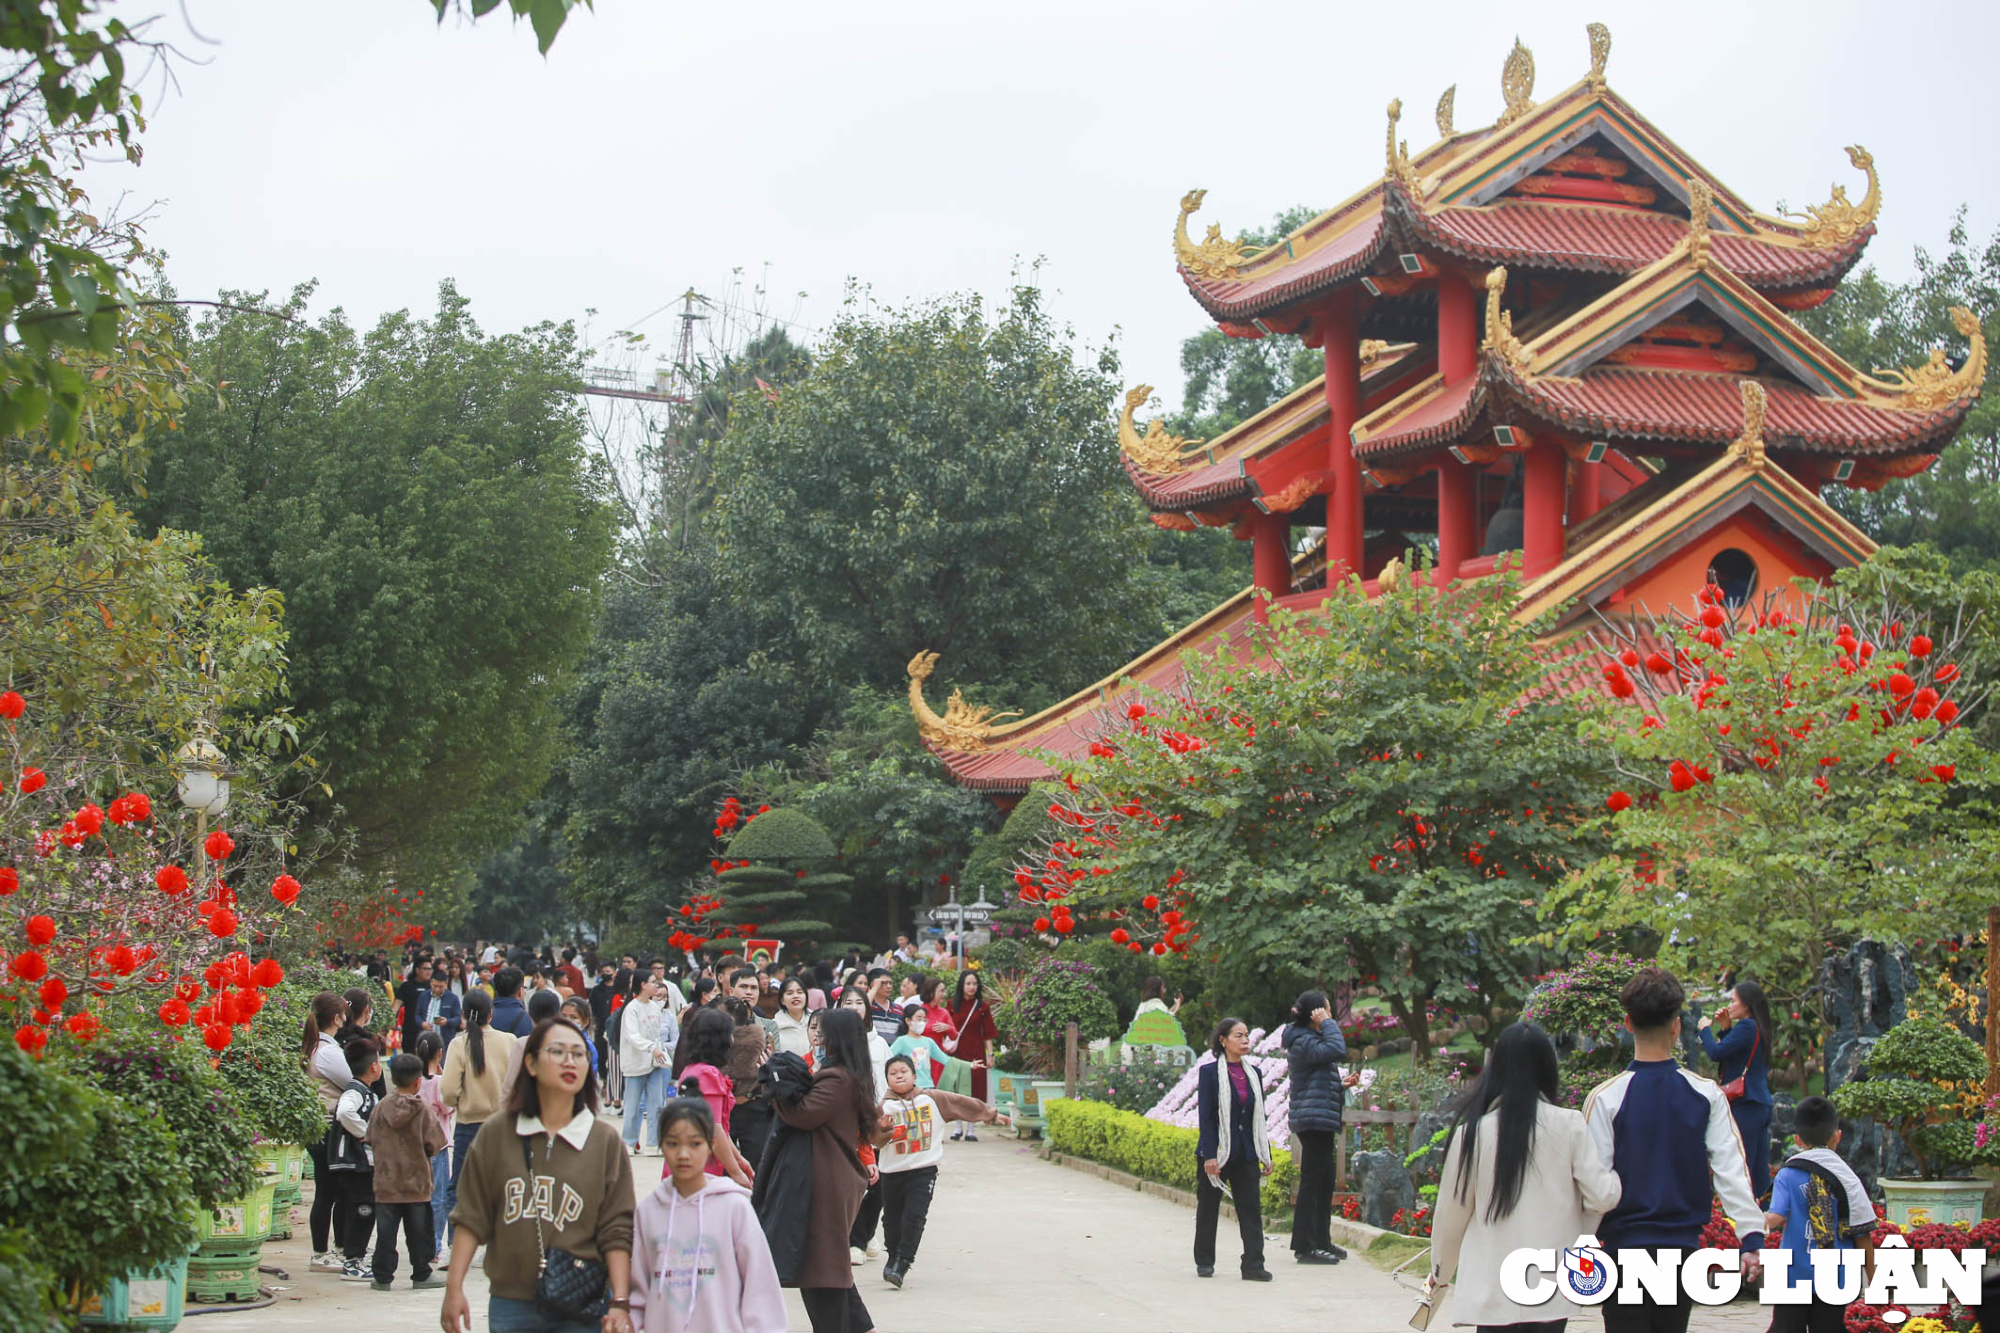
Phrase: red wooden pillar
pixel 1270 560
pixel 1544 478
pixel 1458 358
pixel 1586 499
pixel 1342 322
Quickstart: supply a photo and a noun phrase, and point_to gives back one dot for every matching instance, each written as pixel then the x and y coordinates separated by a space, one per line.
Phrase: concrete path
pixel 1014 1243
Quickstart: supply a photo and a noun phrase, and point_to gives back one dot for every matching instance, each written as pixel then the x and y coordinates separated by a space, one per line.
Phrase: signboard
pixel 976 914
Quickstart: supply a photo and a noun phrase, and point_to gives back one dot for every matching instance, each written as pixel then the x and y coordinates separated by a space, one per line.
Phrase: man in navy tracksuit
pixel 1668 1134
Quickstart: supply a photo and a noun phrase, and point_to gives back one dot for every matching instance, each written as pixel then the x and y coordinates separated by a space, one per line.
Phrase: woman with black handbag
pixel 548 1190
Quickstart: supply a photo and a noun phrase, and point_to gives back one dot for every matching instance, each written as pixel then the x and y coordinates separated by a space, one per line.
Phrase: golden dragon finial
pixel 1444 109
pixel 1517 85
pixel 1749 446
pixel 1214 257
pixel 1600 52
pixel 1836 222
pixel 962 727
pixel 1701 213
pixel 1931 385
pixel 1156 451
pixel 1500 338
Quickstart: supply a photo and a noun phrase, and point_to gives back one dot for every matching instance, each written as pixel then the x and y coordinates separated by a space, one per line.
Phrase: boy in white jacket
pixel 700 1263
pixel 915 1120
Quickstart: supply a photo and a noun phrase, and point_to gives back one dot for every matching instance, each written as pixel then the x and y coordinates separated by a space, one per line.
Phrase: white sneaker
pixel 874 1251
pixel 857 1254
pixel 352 1271
pixel 328 1262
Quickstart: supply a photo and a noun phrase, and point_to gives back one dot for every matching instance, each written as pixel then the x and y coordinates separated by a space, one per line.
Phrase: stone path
pixel 1014 1243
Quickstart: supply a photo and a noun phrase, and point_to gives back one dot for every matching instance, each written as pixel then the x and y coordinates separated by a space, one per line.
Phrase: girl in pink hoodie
pixel 700 1263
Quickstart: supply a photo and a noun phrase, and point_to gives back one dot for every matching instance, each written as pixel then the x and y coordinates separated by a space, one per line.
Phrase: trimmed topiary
pixel 781 835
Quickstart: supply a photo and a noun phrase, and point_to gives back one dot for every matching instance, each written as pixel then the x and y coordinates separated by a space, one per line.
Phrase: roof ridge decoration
pixel 962 727
pixel 1400 169
pixel 1156 451
pixel 1931 385
pixel 1836 222
pixel 1749 446
pixel 1444 108
pixel 1517 85
pixel 1500 339
pixel 1701 210
pixel 1214 257
pixel 1600 52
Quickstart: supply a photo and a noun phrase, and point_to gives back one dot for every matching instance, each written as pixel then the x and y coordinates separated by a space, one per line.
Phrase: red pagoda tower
pixel 1556 340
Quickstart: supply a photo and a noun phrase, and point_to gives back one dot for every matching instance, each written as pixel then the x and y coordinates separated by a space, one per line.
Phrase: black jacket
pixel 783 1193
pixel 1317 1095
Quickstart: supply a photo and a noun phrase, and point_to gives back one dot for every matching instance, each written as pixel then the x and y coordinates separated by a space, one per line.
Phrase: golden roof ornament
pixel 1444 109
pixel 1836 222
pixel 1500 339
pixel 1392 577
pixel 1517 85
pixel 1371 350
pixel 1600 52
pixel 1701 211
pixel 962 727
pixel 1156 451
pixel 1214 257
pixel 1927 387
pixel 1749 446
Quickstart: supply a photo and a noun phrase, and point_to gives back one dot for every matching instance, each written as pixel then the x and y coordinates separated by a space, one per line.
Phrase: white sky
pixel 923 148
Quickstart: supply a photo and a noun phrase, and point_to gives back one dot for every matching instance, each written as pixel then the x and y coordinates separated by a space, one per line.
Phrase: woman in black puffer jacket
pixel 1314 1048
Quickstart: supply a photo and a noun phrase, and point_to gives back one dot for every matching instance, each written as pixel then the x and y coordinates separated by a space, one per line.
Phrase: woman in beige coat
pixel 1520 1172
pixel 474 1081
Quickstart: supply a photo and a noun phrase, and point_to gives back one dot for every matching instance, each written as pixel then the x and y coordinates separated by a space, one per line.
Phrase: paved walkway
pixel 1014 1243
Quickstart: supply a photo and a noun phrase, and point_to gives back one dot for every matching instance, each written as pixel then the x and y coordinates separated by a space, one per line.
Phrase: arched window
pixel 1735 573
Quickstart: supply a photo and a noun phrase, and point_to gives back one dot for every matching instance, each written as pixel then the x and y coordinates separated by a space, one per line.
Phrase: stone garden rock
pixel 1385 1186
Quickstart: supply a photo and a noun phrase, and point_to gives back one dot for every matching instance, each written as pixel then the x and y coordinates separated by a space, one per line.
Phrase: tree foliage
pixel 546 17
pixel 420 496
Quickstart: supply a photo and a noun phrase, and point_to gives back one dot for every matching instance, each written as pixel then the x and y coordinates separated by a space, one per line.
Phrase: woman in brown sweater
pixel 544 1174
pixel 841 1111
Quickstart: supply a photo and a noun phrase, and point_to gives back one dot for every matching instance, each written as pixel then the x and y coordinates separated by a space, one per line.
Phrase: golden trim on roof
pixel 1500 339
pixel 962 727
pixel 1156 451
pixel 1400 169
pixel 1749 446
pixel 1370 351
pixel 1214 257
pixel 1600 52
pixel 1836 222
pixel 1517 85
pixel 1927 387
pixel 1444 108
pixel 1701 211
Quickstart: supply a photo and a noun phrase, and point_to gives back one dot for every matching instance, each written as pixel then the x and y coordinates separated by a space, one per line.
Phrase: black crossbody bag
pixel 567 1287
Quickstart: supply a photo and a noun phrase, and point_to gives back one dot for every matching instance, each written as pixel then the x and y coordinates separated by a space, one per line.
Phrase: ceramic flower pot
pixel 1917 1203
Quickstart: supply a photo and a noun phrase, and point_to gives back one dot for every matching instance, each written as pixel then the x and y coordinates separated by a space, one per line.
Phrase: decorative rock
pixel 1385 1186
pixel 1865 994
pixel 1432 1160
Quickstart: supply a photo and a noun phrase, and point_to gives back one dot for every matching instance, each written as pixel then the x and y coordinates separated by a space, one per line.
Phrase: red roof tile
pixel 1322 270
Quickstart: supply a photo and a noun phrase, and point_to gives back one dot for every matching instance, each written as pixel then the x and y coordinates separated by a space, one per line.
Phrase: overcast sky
pixel 926 148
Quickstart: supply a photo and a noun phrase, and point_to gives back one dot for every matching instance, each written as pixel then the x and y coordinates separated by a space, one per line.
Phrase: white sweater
pixel 645 1027
pixel 1566 1189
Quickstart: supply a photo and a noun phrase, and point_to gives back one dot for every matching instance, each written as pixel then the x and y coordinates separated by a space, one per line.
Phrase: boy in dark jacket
pixel 404 1136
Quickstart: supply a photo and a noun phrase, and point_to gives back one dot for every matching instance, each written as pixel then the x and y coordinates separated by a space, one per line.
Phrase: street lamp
pixel 204 789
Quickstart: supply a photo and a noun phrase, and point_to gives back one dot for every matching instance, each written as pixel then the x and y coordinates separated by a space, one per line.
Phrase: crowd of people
pixel 497 1102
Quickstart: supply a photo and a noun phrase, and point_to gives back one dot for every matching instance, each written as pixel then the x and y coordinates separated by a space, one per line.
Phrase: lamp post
pixel 204 789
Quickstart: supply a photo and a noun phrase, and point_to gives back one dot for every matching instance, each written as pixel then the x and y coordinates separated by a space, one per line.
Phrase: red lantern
pixel 30 1038
pixel 267 973
pixel 1618 801
pixel 12 705
pixel 285 889
pixel 33 780
pixel 171 880
pixel 222 923
pixel 174 1013
pixel 53 993
pixel 83 1026
pixel 216 1037
pixel 39 930
pixel 219 845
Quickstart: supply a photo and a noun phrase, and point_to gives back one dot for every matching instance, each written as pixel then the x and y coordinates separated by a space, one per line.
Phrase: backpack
pixel 344 1152
pixel 613 1026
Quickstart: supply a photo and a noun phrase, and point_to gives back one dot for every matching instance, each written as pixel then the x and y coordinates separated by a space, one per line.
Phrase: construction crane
pixel 673 384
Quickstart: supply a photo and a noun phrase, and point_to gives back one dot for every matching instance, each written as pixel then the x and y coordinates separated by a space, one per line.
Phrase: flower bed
pixel 1150 1150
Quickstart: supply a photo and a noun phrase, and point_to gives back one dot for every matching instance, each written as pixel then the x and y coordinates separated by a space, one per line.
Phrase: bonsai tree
pixel 1916 1082
pixel 1057 993
pixel 1581 1002
pixel 777 879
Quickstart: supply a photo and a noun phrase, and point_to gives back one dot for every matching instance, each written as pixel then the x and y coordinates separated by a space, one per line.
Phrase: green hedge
pixel 1148 1149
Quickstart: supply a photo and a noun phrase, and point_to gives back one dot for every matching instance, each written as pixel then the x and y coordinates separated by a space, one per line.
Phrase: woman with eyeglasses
pixel 546 1179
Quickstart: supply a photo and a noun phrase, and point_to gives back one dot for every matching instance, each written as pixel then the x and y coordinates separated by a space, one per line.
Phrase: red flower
pixel 1618 800
pixel 1944 772
pixel 216 1037
pixel 171 879
pixel 39 930
pixel 83 1026
pixel 267 973
pixel 286 890
pixel 1680 776
pixel 222 923
pixel 219 845
pixel 12 705
pixel 10 880
pixel 33 780
pixel 30 1038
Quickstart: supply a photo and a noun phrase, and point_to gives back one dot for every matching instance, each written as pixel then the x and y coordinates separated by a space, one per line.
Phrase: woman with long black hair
pixel 841 1110
pixel 1744 1053
pixel 475 1070
pixel 1520 1172
pixel 1314 1048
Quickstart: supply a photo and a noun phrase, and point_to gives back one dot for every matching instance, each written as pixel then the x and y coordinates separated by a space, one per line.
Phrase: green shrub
pixel 264 1073
pixel 1129 1142
pixel 148 1068
pixel 781 835
pixel 1582 1001
pixel 1916 1077
pixel 1057 993
pixel 1134 1086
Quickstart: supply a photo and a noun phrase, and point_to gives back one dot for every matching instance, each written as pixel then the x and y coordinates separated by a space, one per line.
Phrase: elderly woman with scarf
pixel 1234 1149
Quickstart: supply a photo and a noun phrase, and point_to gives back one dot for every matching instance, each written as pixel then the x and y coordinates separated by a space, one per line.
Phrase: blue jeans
pixel 644 1096
pixel 444 1194
pixel 510 1316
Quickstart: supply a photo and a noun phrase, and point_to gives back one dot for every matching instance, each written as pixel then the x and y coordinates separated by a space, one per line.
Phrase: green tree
pixel 1955 505
pixel 944 479
pixel 1383 801
pixel 545 16
pixel 420 496
pixel 1226 380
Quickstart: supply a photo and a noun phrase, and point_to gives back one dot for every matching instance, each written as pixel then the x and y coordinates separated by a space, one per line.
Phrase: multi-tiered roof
pixel 1558 334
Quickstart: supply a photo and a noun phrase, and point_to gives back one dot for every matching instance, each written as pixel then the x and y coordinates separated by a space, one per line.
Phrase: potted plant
pixel 1033 1022
pixel 276 1104
pixel 1919 1080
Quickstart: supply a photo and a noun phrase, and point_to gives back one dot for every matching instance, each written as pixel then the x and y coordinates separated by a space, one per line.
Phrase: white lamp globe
pixel 203 788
